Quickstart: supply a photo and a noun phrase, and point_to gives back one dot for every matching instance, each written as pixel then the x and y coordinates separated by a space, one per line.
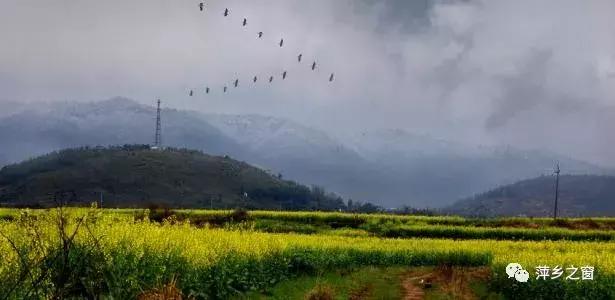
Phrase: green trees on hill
pixel 136 176
pixel 579 195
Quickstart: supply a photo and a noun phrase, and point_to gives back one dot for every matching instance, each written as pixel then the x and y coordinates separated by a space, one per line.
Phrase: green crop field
pixel 125 254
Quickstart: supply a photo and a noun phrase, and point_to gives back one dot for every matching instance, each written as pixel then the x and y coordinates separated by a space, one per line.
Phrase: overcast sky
pixel 531 73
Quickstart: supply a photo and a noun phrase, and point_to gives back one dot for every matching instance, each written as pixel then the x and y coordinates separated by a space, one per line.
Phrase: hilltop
pixel 580 195
pixel 388 167
pixel 135 176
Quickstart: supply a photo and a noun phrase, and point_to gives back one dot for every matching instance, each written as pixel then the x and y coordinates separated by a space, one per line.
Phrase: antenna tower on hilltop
pixel 158 136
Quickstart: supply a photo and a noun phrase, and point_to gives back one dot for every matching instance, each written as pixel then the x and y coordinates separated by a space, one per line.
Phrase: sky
pixel 536 74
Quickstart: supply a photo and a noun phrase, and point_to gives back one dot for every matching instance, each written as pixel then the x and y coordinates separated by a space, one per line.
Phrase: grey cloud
pixel 522 92
pixel 463 70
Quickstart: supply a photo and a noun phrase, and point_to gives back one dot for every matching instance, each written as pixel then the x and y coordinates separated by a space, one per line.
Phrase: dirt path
pixel 412 291
pixel 451 281
pixel 412 287
pixel 361 293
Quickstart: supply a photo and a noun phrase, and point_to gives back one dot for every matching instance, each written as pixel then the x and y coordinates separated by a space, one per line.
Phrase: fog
pixel 533 74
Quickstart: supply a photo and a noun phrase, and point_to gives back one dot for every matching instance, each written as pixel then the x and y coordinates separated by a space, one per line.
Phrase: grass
pixel 384 283
pixel 364 283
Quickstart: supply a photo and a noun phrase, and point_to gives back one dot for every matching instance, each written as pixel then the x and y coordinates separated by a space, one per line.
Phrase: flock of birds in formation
pixel 202 8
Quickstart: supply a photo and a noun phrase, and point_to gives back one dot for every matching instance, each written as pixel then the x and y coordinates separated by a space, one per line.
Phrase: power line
pixel 557 172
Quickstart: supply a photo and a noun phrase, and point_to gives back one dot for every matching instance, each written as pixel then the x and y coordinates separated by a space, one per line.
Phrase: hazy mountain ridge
pixel 382 143
pixel 273 137
pixel 388 145
pixel 116 121
pixel 387 167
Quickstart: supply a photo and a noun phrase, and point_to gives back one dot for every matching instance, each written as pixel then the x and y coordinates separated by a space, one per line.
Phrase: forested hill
pixel 579 195
pixel 135 176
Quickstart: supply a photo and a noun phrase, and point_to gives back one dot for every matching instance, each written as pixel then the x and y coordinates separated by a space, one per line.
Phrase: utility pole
pixel 557 172
pixel 158 136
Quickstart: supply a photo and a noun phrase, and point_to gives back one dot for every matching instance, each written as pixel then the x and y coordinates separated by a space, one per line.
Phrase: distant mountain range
pixel 387 167
pixel 579 195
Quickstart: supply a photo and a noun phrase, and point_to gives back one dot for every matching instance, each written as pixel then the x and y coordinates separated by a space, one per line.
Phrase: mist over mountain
pixel 389 167
pixel 117 121
pixel 279 139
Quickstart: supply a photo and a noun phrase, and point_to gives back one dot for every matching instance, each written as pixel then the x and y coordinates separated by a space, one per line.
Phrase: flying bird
pixel 226 12
pixel 331 77
pixel 201 6
pixel 207 90
pixel 284 75
pixel 281 42
pixel 245 21
pixel 236 82
pixel 255 79
pixel 271 79
pixel 260 34
pixel 225 88
pixel 191 93
pixel 314 66
pixel 299 57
